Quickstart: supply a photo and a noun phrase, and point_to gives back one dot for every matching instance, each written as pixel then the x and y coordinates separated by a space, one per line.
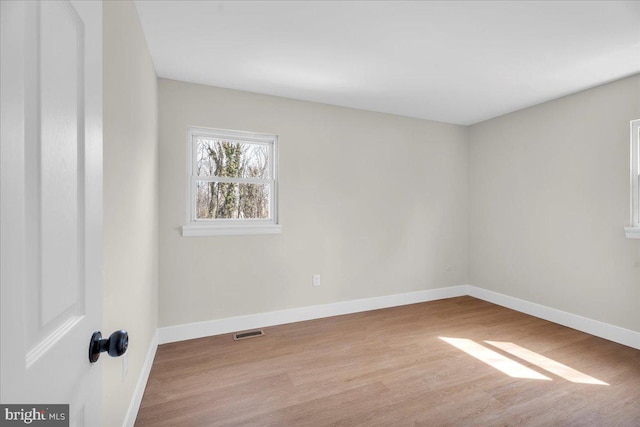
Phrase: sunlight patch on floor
pixel 545 363
pixel 496 360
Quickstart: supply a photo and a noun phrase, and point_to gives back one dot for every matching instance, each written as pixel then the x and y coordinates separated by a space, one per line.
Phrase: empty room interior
pixel 368 213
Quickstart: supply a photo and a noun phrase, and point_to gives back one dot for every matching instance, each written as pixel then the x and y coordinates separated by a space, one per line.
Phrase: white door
pixel 51 203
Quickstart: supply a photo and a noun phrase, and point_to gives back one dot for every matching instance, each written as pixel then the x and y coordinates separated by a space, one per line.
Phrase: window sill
pixel 200 230
pixel 632 232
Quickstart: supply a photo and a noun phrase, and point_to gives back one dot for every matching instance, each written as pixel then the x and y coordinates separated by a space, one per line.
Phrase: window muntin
pixel 232 179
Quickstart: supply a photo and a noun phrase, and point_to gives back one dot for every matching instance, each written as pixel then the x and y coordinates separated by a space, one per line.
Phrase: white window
pixel 232 183
pixel 634 231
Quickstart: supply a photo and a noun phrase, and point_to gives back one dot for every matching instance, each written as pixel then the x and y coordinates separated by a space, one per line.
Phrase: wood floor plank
pixel 391 368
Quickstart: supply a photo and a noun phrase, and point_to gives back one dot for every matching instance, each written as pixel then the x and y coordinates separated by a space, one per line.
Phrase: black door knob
pixel 116 345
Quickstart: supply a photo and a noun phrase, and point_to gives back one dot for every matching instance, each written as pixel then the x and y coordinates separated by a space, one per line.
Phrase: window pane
pixel 217 200
pixel 217 157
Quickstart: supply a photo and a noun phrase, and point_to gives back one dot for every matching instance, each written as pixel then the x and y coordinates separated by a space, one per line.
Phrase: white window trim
pixel 633 232
pixel 228 227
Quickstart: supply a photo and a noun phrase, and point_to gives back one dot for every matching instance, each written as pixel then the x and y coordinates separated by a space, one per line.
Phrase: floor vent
pixel 249 334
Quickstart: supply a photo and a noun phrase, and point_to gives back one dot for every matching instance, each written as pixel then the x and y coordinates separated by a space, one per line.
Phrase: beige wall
pixel 130 201
pixel 549 197
pixel 375 203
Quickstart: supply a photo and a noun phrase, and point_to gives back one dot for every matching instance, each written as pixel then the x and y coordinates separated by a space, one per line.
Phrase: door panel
pixel 60 144
pixel 51 203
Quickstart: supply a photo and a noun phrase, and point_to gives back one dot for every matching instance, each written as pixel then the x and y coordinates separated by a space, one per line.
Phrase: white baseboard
pixel 232 324
pixel 594 327
pixel 136 399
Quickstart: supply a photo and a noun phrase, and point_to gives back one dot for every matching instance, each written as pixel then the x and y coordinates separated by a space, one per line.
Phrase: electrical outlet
pixel 316 280
pixel 448 268
pixel 125 366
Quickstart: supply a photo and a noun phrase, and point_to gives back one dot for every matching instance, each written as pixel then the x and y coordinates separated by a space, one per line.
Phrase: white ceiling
pixel 458 62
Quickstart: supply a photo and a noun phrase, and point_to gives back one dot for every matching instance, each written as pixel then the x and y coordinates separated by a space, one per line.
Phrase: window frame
pixel 224 226
pixel 633 232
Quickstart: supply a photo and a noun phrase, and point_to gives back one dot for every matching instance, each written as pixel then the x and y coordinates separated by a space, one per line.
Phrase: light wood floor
pixel 389 367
